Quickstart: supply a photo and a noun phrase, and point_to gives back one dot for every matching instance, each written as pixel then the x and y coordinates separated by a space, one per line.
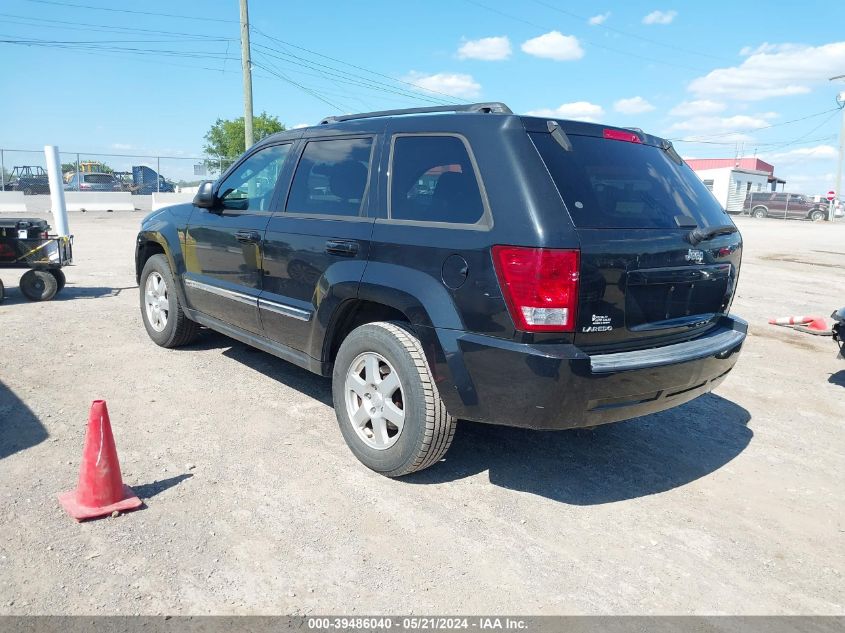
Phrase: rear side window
pixel 332 177
pixel 99 178
pixel 432 180
pixel 615 184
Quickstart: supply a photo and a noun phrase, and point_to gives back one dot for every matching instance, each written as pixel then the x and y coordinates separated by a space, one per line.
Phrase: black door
pixel 223 244
pixel 324 227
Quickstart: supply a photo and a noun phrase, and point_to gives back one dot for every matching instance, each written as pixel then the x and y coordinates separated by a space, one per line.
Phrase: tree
pixel 226 137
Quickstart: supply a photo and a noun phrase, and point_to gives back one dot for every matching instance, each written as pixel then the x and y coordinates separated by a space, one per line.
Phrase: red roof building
pixel 750 164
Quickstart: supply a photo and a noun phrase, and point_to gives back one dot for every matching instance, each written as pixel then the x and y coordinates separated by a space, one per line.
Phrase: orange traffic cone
pixel 100 490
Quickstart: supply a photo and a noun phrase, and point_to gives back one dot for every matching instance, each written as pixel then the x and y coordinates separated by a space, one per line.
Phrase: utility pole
pixel 840 100
pixel 246 65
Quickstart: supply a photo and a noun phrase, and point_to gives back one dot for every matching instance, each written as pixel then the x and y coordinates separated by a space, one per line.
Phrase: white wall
pixel 721 182
pixel 724 187
pixel 13 201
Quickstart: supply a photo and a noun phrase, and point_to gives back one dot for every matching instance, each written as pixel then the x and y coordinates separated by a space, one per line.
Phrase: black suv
pixel 474 264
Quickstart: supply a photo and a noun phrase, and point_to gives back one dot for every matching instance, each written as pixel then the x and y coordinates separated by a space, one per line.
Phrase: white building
pixel 731 179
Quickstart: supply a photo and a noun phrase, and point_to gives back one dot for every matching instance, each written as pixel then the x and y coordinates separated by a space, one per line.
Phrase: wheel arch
pixel 145 249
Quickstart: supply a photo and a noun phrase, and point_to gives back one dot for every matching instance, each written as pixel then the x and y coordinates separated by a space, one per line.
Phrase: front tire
pixel 38 285
pixel 818 215
pixel 387 404
pixel 161 310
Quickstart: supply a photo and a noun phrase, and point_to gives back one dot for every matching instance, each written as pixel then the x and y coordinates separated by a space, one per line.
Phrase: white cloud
pixel 697 107
pixel 124 146
pixel 634 105
pixel 486 49
pixel 765 47
pixel 453 84
pixel 727 128
pixel 660 17
pixel 577 110
pixel 773 71
pixel 554 45
pixel 601 18
pixel 802 154
pixel 810 183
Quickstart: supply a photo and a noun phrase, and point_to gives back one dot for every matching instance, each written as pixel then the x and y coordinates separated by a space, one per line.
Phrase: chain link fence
pixel 26 171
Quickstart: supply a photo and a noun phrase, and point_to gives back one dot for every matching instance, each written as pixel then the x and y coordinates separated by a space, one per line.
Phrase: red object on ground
pixel 100 490
pixel 794 320
pixel 818 324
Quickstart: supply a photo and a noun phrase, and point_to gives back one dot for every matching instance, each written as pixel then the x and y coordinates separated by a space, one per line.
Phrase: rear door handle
pixel 248 237
pixel 344 248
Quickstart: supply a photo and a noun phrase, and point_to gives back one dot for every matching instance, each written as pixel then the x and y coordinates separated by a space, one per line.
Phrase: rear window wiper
pixel 559 135
pixel 667 147
pixel 699 235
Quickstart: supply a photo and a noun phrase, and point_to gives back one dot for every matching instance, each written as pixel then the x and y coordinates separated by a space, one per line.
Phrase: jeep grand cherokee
pixel 457 263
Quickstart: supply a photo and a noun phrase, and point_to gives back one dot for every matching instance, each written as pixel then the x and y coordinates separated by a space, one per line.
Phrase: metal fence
pixel 26 171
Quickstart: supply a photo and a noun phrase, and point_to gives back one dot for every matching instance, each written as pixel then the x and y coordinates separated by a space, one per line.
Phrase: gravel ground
pixel 730 504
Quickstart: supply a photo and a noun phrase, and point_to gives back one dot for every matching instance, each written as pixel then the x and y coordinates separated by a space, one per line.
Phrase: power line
pixel 339 61
pixel 298 85
pixel 99 27
pixel 591 43
pixel 632 35
pixel 342 77
pixel 755 129
pixel 113 10
pixel 113 49
pixel 418 94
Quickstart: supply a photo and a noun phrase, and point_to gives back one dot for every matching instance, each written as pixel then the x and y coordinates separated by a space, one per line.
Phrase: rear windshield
pixel 99 178
pixel 616 184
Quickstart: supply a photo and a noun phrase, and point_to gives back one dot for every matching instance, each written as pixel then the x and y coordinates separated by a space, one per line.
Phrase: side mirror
pixel 205 198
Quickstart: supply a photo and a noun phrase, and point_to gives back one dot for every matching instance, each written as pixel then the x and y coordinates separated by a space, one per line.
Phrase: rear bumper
pixel 493 380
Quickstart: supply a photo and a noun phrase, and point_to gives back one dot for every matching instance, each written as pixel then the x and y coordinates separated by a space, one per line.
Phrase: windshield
pixel 616 184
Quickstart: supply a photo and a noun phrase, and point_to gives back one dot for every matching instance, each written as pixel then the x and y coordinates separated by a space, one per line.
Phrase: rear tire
pixel 38 285
pixel 60 278
pixel 363 388
pixel 759 212
pixel 161 310
pixel 2 291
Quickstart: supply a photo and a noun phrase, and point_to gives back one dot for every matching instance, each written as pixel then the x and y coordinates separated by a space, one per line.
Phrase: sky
pixel 720 79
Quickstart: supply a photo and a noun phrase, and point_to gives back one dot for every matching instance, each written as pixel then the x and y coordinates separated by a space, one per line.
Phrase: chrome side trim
pixel 285 310
pixel 222 292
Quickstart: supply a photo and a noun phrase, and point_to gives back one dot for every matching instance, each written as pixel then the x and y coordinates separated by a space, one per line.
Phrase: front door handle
pixel 248 237
pixel 344 248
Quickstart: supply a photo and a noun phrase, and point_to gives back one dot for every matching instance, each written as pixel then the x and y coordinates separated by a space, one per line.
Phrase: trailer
pixel 27 243
pixel 146 181
pixel 31 179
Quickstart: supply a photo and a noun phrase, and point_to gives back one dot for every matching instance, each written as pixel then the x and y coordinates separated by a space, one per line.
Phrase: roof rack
pixel 487 108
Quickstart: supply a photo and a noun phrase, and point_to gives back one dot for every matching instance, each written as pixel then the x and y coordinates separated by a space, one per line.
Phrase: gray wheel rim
pixel 155 301
pixel 375 401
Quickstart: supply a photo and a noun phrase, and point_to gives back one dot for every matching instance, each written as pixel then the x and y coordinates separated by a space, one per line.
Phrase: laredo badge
pixel 601 323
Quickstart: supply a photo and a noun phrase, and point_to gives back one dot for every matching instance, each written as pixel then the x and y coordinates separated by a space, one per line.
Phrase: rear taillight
pixel 622 135
pixel 540 286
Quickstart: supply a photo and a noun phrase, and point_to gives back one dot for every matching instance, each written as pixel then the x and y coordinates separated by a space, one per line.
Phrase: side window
pixel 432 180
pixel 332 177
pixel 250 187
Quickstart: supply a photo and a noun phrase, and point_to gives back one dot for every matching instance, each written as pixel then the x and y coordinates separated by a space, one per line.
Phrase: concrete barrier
pixel 167 199
pixel 99 201
pixel 13 201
